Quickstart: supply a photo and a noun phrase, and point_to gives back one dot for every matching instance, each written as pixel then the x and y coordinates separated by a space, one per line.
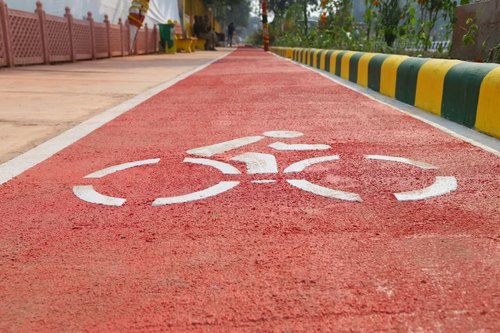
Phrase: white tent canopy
pixel 160 11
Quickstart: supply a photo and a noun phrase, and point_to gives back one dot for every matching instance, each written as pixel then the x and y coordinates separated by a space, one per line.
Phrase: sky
pixel 159 11
pixel 79 8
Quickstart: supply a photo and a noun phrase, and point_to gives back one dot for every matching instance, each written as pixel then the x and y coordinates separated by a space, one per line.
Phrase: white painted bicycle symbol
pixel 260 163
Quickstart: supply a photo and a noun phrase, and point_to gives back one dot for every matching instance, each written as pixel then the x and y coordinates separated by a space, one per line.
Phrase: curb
pixel 464 92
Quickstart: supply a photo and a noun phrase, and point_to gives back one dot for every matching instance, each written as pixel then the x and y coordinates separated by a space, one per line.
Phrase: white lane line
pixel 120 167
pixel 298 146
pixel 222 147
pixel 441 185
pixel 418 164
pixel 258 163
pixel 29 159
pixel 206 193
pixel 323 191
pixel 283 134
pixel 301 165
pixel 89 194
pixel 225 168
pixel 263 181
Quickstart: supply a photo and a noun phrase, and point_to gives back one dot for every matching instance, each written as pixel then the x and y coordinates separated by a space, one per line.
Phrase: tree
pixel 390 14
pixel 368 17
pixel 336 21
pixel 237 11
pixel 280 8
pixel 429 13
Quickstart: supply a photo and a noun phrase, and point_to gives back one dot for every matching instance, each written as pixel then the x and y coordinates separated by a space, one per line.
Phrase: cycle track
pixel 263 255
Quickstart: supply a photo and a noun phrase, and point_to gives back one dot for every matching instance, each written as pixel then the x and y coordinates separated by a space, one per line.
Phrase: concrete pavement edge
pixel 40 153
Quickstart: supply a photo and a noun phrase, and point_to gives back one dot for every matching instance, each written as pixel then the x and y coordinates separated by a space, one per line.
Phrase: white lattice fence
pixel 58 39
pixel 115 40
pixel 82 39
pixel 26 38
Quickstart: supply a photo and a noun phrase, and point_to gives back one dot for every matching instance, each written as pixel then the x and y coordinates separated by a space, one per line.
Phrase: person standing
pixel 197 26
pixel 230 32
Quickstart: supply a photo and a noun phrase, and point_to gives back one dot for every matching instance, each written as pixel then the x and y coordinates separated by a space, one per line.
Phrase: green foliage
pixel 390 26
pixel 494 54
pixel 337 29
pixel 390 15
pixel 429 14
pixel 282 7
pixel 237 11
pixel 369 17
pixel 279 7
pixel 255 38
pixel 470 37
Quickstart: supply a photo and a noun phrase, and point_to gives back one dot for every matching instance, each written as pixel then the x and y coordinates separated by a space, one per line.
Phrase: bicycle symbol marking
pixel 261 163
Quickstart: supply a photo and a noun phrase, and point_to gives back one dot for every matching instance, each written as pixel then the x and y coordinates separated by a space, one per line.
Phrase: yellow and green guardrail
pixel 464 92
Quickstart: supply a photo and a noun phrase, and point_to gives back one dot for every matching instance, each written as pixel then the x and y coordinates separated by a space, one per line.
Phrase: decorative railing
pixel 37 38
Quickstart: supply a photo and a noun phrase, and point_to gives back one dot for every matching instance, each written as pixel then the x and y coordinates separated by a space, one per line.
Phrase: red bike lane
pixel 356 247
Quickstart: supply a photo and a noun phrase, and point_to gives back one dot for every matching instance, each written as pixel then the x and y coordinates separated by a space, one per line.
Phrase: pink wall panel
pixel 26 38
pixel 38 38
pixel 82 39
pixel 58 38
pixel 116 42
pixel 141 42
pixel 153 40
pixel 101 40
pixel 3 56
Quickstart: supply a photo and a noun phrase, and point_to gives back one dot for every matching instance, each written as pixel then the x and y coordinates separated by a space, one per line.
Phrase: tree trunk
pixel 306 23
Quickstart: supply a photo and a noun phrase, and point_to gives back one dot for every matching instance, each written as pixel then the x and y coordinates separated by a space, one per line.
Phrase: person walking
pixel 230 32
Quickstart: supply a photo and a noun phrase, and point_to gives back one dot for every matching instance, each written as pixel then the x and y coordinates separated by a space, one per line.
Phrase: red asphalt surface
pixel 260 257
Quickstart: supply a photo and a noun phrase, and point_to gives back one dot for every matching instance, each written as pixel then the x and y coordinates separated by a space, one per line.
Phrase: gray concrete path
pixel 39 102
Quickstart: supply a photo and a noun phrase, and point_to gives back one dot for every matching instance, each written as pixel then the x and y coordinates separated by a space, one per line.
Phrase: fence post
pixel 155 38
pixel 147 37
pixel 132 50
pixel 108 34
pixel 5 26
pixel 122 42
pixel 92 34
pixel 69 17
pixel 43 32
